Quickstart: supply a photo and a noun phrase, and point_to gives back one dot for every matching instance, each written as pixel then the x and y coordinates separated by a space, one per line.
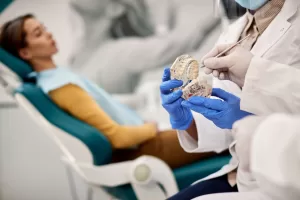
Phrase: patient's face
pixel 40 43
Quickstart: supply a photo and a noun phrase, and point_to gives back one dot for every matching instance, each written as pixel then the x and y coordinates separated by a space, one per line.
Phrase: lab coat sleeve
pixel 271 87
pixel 210 137
pixel 257 195
pixel 243 131
pixel 277 140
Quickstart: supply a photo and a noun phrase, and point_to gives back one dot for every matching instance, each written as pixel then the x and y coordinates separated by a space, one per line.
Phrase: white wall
pixel 30 168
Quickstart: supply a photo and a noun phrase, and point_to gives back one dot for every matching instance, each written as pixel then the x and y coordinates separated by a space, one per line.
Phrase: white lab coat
pixel 280 43
pixel 275 157
pixel 272 80
pixel 235 196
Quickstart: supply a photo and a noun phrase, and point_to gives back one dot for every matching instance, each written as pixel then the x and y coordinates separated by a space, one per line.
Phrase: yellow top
pixel 77 102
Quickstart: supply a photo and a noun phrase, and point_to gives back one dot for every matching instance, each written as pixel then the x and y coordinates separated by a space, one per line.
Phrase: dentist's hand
pixel 222 113
pixel 233 66
pixel 180 117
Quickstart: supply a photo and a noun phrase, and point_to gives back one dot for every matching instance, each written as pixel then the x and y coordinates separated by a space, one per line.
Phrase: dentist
pixel 273 27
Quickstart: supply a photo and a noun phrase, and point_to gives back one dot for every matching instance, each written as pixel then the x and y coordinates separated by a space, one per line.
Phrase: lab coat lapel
pixel 234 31
pixel 278 27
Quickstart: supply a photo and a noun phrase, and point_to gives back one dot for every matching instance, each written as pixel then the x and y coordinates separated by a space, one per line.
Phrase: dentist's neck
pixel 43 64
pixel 252 11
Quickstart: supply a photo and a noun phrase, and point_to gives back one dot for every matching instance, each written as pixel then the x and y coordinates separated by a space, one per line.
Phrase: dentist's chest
pixel 280 43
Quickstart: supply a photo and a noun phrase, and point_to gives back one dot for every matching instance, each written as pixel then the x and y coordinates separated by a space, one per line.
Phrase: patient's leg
pixel 164 146
pixel 212 186
pixel 255 195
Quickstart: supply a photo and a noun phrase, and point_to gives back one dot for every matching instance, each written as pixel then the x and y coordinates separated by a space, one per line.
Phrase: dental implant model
pixel 195 81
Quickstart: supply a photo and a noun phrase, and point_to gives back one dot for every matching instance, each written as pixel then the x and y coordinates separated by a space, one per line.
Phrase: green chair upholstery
pixel 98 145
pixel 96 142
pixel 193 172
pixel 4 4
pixel 21 68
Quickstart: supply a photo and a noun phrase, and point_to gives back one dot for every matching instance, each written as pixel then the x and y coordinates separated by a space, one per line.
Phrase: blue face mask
pixel 251 4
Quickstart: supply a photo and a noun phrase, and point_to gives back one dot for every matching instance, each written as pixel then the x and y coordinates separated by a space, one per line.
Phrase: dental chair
pixel 86 152
pixel 4 4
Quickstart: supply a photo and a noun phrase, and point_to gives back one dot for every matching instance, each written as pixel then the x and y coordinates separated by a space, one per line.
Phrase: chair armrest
pixel 110 175
pixel 144 174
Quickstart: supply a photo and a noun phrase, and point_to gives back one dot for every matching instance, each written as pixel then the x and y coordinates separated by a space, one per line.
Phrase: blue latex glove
pixel 223 113
pixel 180 117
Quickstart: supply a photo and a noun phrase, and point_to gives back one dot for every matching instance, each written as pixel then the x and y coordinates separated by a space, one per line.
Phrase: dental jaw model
pixel 195 81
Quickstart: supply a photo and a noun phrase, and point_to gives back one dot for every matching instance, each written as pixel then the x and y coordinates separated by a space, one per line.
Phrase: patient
pixel 26 38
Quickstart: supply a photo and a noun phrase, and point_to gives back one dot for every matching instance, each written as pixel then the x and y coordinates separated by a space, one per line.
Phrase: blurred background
pixel 121 45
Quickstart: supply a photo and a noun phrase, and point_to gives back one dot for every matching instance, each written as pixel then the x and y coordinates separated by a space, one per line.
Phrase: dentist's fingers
pixel 222 94
pixel 207 70
pixel 215 51
pixel 213 104
pixel 166 75
pixel 172 97
pixel 206 112
pixel 215 73
pixel 220 63
pixel 167 86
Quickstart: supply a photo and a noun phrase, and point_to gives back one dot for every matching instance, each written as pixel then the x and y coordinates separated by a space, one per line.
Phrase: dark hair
pixel 13 36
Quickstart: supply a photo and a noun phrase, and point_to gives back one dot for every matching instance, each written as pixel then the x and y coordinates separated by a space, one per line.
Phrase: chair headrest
pixel 21 68
pixel 4 4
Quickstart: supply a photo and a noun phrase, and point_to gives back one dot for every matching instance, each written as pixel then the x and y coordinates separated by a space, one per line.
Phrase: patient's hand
pixel 154 124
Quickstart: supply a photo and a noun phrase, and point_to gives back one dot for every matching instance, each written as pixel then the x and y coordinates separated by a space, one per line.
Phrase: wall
pixel 30 168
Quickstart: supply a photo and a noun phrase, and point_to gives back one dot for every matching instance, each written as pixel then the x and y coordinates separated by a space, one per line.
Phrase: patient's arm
pixel 81 105
pixel 192 131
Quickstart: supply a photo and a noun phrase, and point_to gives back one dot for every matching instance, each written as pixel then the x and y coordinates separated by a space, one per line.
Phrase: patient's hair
pixel 13 36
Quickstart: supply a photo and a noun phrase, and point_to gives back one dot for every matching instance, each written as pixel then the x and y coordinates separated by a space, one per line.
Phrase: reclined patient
pixel 26 38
